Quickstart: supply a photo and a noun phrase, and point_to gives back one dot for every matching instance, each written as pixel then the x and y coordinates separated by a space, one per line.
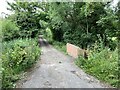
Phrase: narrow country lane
pixel 56 70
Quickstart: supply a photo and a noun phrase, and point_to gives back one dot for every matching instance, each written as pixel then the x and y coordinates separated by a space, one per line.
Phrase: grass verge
pixel 103 65
pixel 60 46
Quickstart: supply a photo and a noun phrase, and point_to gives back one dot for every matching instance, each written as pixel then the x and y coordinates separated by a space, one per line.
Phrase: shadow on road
pixel 43 43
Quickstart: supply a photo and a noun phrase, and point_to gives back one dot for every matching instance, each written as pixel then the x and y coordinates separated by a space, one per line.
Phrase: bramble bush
pixel 17 56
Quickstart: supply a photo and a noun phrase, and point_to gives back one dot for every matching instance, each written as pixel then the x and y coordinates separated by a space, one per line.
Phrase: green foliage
pixel 27 16
pixel 0 28
pixel 77 23
pixel 43 24
pixel 81 23
pixel 117 25
pixel 9 30
pixel 60 46
pixel 55 22
pixel 48 35
pixel 17 56
pixel 102 63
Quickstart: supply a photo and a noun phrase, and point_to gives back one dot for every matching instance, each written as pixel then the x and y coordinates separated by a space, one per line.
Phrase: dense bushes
pixel 27 16
pixel 82 23
pixel 17 56
pixel 102 63
pixel 9 30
